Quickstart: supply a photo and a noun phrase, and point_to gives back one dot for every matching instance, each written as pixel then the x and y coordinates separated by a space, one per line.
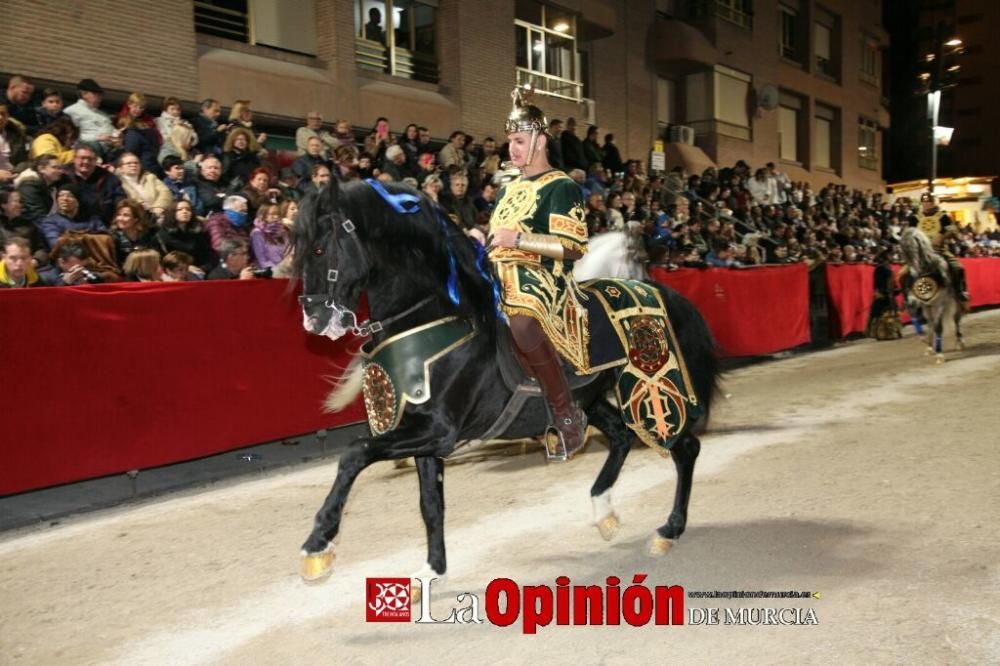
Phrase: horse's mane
pixel 414 245
pixel 920 254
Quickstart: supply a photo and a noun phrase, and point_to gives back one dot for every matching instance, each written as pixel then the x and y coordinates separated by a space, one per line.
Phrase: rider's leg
pixel 536 353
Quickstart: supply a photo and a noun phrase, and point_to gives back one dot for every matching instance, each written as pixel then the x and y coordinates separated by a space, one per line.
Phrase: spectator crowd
pixel 87 196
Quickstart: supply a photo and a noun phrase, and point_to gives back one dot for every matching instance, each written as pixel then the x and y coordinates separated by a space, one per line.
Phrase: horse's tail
pixel 346 387
pixel 701 355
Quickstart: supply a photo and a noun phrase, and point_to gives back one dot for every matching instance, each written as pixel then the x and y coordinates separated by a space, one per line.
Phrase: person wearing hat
pixel 941 231
pixel 69 216
pixel 94 124
pixel 538 231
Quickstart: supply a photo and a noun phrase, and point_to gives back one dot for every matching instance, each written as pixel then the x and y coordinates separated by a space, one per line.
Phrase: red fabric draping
pixel 849 294
pixel 107 378
pixel 983 278
pixel 750 311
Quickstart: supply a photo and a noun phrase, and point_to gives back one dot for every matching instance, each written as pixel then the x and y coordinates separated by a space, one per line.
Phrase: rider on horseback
pixel 538 230
pixel 942 231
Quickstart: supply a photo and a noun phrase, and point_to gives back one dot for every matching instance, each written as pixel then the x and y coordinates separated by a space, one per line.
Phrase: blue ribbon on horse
pixel 407 204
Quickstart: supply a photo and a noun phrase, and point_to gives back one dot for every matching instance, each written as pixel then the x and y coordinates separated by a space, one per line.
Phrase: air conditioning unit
pixel 589 111
pixel 681 134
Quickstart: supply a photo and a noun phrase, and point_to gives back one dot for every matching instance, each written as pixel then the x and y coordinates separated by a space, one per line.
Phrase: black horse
pixel 393 244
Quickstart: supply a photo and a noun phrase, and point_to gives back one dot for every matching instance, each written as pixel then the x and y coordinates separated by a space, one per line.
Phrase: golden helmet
pixel 524 116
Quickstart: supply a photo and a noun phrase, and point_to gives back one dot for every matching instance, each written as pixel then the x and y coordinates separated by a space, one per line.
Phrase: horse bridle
pixel 366 328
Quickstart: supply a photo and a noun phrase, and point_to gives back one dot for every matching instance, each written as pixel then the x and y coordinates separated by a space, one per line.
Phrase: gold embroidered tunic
pixel 540 287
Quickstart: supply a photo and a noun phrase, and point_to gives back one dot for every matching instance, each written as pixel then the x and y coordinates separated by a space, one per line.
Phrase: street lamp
pixel 942 74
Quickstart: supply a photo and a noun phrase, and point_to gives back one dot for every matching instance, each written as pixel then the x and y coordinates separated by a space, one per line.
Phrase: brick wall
pixel 144 45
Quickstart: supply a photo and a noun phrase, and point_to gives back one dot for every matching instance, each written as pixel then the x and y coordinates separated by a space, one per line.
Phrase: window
pixel 867 143
pixel 789 130
pixel 868 70
pixel 666 95
pixel 407 48
pixel 788 19
pixel 826 143
pixel 716 102
pixel 545 48
pixel 825 43
pixel 271 23
pixel 739 12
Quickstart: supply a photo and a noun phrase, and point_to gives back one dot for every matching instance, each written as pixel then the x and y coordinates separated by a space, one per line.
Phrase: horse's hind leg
pixel 606 418
pixel 958 329
pixel 685 453
pixel 938 339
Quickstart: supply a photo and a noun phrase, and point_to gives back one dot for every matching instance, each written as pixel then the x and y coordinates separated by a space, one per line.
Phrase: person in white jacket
pixel 94 124
pixel 763 189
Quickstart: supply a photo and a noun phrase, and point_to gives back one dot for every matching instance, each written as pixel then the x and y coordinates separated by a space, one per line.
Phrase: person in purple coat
pixel 269 237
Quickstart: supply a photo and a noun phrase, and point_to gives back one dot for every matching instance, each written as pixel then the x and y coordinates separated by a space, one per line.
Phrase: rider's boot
pixel 570 422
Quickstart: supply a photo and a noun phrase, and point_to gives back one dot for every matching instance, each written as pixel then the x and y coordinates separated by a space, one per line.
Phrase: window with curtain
pixel 545 50
pixel 789 31
pixel 789 112
pixel 826 138
pixel 868 67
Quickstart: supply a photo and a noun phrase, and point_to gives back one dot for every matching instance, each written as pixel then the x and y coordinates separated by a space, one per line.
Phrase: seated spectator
pixel 99 189
pixel 616 221
pixel 182 232
pixel 180 143
pixel 289 213
pixel 143 266
pixel 314 128
pixel 456 204
pixel 303 164
pixel 410 143
pixel 231 223
pixel 240 157
pixel 38 188
pixel 721 256
pixel 16 270
pixel 487 198
pixel 209 187
pixel 453 154
pixel 178 267
pixel 12 142
pixel 597 180
pixel 131 231
pixel 56 138
pixel 319 179
pixel 378 141
pixel 426 166
pixel 432 187
pixel 424 140
pixel 596 216
pixel 345 160
pixel 170 115
pixel 142 187
pixel 394 163
pixel 175 179
pixel 13 223
pixel 210 134
pixel 490 159
pixel 258 191
pixel 269 238
pixel 95 126
pixel 18 102
pixel 343 135
pixel 69 216
pixel 77 267
pixel 365 166
pixel 241 115
pixel 139 135
pixel 580 178
pixel 234 261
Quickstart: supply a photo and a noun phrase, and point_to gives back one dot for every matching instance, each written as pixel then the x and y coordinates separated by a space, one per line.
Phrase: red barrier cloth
pixel 103 379
pixel 983 278
pixel 750 311
pixel 849 295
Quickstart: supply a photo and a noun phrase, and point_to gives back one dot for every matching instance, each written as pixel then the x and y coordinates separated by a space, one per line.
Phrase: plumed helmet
pixel 524 116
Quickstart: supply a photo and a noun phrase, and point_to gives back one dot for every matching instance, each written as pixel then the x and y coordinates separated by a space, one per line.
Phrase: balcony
pixel 678 47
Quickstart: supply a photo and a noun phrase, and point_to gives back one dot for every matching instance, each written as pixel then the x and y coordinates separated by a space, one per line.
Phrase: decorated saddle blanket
pixel 630 327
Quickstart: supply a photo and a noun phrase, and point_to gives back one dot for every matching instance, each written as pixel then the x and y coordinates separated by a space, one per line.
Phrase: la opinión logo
pixel 535 606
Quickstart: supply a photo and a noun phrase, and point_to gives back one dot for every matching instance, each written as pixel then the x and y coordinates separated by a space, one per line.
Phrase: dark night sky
pixel 907 149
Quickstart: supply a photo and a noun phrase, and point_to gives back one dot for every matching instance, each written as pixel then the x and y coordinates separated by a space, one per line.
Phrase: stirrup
pixel 555 442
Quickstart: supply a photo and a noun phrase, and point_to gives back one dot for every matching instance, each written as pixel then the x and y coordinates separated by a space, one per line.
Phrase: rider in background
pixel 941 231
pixel 538 230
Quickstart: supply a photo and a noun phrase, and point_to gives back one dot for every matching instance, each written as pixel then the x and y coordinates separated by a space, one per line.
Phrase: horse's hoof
pixel 608 526
pixel 928 351
pixel 416 594
pixel 659 546
pixel 317 567
pixel 939 359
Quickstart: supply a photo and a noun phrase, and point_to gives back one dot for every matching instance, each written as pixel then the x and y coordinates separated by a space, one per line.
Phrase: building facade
pixel 796 82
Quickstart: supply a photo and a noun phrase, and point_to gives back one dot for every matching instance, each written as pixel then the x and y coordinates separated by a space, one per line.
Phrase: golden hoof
pixel 659 546
pixel 608 526
pixel 928 351
pixel 939 359
pixel 415 594
pixel 317 566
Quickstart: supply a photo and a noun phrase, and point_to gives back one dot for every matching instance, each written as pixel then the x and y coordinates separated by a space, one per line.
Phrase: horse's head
pixel 332 263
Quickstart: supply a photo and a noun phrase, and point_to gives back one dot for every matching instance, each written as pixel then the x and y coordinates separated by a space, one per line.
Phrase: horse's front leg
pixel 317 551
pixel 430 471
